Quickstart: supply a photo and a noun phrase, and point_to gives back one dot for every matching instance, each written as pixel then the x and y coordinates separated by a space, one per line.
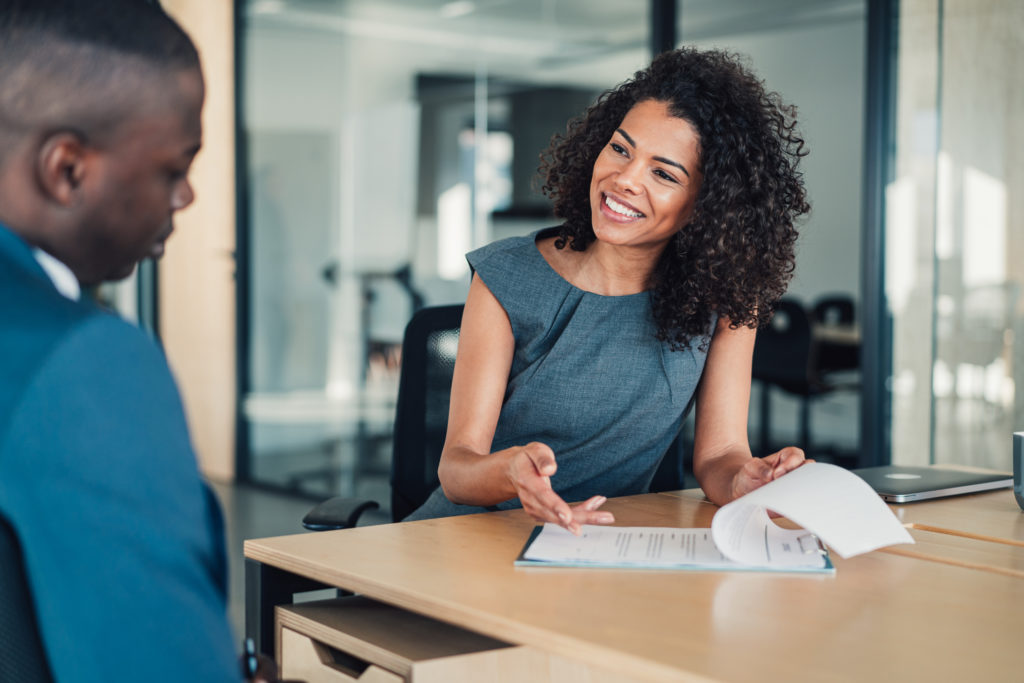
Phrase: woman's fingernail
pixel 564 517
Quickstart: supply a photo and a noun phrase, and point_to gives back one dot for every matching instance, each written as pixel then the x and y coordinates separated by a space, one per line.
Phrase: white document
pixel 834 504
pixel 670 548
pixel 827 501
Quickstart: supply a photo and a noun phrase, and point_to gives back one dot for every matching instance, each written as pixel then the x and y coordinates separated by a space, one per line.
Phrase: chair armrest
pixel 337 513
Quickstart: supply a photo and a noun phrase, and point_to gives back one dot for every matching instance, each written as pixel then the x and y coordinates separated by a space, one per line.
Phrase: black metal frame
pixel 243 468
pixel 876 327
pixel 663 32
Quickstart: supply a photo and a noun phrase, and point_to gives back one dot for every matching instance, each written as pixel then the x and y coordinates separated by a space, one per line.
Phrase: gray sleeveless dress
pixel 588 378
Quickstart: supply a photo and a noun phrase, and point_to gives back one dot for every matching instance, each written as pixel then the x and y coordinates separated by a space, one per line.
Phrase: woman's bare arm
pixel 470 474
pixel 722 460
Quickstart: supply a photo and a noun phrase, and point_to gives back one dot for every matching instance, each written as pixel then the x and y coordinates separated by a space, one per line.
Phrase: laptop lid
pixel 903 484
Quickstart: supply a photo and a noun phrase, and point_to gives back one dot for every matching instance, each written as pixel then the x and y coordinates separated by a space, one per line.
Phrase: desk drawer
pixel 308 660
pixel 358 639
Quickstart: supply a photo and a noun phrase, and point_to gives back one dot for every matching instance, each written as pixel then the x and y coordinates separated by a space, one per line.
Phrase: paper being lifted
pixel 830 503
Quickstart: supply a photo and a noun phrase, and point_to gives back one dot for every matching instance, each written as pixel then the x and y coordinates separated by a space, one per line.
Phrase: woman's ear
pixel 61 166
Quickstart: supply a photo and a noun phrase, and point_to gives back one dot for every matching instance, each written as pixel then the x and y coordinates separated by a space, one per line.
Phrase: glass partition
pixel 385 138
pixel 955 237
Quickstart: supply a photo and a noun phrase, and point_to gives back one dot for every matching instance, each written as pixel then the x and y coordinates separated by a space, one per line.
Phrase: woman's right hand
pixel 529 471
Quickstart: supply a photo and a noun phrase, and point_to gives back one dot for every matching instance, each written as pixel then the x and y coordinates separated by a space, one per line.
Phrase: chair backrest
pixel 834 309
pixel 22 657
pixel 421 412
pixel 783 347
pixel 671 472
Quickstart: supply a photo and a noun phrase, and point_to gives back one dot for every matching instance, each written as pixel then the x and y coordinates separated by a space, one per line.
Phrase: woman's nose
pixel 629 178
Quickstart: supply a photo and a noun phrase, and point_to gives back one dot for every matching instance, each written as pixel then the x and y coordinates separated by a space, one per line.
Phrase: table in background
pixel 883 615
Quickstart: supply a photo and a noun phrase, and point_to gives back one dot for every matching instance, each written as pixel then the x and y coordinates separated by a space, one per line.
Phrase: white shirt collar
pixel 63 279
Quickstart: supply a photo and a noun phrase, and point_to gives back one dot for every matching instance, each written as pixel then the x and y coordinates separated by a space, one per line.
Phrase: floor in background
pixel 318 466
pixel 253 512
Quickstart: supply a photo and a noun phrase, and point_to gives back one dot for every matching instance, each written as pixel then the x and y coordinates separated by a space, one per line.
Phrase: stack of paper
pixel 830 503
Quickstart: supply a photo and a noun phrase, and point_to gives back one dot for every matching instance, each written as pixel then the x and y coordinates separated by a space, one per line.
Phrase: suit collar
pixel 60 275
pixel 14 249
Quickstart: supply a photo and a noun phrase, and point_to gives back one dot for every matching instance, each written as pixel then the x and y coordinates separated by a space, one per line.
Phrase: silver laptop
pixel 903 484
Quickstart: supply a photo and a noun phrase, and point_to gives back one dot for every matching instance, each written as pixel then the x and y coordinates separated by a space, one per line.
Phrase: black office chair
pixel 421 423
pixel 677 461
pixel 421 413
pixel 22 657
pixel 835 310
pixel 783 358
pixel 421 420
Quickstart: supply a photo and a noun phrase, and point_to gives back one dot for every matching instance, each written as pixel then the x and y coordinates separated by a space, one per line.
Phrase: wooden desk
pixel 982 531
pixel 992 516
pixel 883 616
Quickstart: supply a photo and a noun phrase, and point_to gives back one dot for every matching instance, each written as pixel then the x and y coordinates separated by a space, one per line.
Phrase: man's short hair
pixel 139 28
pixel 83 65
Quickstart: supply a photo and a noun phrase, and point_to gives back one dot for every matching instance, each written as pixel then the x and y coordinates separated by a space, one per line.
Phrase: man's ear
pixel 61 166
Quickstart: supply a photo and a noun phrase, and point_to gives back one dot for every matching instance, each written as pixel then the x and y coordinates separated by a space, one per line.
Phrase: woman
pixel 582 347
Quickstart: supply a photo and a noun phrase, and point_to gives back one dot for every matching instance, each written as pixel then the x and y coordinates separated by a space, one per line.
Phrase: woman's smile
pixel 620 210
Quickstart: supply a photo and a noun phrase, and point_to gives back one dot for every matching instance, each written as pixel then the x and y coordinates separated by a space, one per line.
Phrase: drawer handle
pixel 345 663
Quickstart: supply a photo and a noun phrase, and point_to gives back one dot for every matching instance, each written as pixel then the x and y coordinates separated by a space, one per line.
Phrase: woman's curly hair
pixel 736 255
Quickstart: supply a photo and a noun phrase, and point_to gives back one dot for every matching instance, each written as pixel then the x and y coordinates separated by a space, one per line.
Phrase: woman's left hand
pixel 759 471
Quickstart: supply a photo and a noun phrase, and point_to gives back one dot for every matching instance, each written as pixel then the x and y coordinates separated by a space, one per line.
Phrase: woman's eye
pixel 618 149
pixel 664 176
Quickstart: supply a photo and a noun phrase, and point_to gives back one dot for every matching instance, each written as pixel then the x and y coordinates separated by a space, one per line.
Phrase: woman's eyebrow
pixel 673 163
pixel 661 159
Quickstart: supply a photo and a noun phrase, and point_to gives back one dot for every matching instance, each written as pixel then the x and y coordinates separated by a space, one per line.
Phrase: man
pixel 123 544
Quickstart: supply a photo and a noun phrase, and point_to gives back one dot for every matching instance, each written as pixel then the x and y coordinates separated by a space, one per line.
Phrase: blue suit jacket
pixel 123 542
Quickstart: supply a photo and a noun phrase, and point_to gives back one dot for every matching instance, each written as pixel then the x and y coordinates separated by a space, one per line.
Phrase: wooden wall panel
pixel 197 288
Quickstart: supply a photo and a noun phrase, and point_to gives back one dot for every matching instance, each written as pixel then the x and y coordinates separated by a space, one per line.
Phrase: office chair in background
pixel 835 311
pixel 22 657
pixel 785 357
pixel 421 422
